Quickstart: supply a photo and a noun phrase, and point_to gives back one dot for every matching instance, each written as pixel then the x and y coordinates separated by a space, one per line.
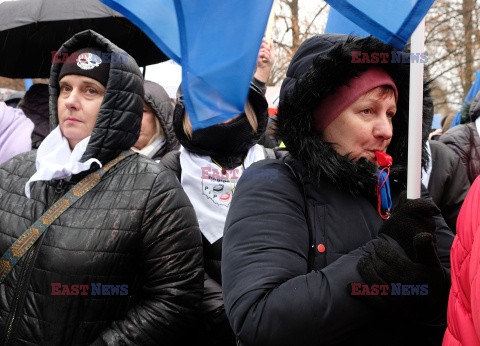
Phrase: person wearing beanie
pixel 322 247
pixel 157 136
pixel 99 245
pixel 208 166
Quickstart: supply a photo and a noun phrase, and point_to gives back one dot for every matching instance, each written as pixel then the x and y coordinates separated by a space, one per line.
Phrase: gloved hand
pixel 385 266
pixel 408 219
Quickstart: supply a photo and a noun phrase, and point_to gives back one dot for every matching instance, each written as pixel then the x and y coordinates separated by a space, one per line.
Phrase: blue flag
pixel 338 24
pixel 216 42
pixel 392 21
pixel 475 88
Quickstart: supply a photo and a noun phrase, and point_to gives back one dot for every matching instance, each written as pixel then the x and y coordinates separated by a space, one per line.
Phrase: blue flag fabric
pixel 216 42
pixel 338 24
pixel 475 88
pixel 392 21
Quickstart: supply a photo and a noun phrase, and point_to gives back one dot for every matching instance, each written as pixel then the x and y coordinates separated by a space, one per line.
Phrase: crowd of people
pixel 121 225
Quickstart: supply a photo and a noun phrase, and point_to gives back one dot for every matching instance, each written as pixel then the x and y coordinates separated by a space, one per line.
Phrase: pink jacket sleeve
pixel 15 132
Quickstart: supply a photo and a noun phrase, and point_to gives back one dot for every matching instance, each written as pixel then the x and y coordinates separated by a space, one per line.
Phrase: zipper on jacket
pixel 20 294
pixel 60 187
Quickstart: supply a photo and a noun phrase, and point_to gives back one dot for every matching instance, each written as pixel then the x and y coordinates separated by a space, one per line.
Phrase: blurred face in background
pixel 149 127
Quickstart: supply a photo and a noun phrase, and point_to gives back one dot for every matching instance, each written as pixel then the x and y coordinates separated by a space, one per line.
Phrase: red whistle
pixel 383 159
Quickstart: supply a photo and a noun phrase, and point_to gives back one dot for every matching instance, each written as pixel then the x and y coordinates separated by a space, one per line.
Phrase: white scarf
pixel 55 160
pixel 152 148
pixel 210 191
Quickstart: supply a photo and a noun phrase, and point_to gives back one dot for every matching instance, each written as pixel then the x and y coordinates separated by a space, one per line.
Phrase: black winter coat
pixel 136 228
pixel 282 288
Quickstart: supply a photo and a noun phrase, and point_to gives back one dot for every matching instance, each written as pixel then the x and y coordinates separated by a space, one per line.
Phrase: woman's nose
pixel 383 127
pixel 72 102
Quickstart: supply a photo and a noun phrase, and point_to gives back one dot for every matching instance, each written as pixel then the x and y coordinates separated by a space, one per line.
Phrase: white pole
pixel 415 120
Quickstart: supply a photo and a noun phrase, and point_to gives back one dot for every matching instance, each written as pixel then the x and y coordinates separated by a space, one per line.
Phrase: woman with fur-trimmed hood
pixel 311 253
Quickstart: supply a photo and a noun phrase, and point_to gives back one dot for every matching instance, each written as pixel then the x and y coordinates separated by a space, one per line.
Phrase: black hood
pixel 157 98
pixel 35 105
pixel 320 66
pixel 120 116
pixel 260 107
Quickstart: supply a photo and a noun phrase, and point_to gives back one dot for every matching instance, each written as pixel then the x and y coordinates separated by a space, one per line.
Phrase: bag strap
pixel 20 247
pixel 269 153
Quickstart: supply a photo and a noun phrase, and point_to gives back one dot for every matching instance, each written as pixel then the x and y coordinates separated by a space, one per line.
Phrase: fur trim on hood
pixel 320 66
pixel 120 116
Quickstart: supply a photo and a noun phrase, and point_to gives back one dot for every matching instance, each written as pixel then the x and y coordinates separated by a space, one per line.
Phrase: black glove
pixel 385 266
pixel 410 218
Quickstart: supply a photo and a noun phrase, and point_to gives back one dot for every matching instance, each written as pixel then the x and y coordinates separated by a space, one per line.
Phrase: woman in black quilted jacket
pixel 122 265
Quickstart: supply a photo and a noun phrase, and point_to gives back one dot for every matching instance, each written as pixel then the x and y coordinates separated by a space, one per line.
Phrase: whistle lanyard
pixel 383 193
pixel 383 184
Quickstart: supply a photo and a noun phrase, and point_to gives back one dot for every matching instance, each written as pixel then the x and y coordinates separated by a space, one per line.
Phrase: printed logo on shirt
pixel 217 187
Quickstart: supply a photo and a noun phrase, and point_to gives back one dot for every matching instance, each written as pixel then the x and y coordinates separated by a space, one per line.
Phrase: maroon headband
pixel 344 96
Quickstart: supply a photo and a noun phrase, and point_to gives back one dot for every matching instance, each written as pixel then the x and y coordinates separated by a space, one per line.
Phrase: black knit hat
pixel 86 62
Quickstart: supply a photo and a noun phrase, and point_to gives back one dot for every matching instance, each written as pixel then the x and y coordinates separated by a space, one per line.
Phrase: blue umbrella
pixel 216 42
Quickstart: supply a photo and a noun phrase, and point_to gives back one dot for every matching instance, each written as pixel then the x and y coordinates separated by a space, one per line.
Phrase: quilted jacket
pixel 123 265
pixel 463 315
